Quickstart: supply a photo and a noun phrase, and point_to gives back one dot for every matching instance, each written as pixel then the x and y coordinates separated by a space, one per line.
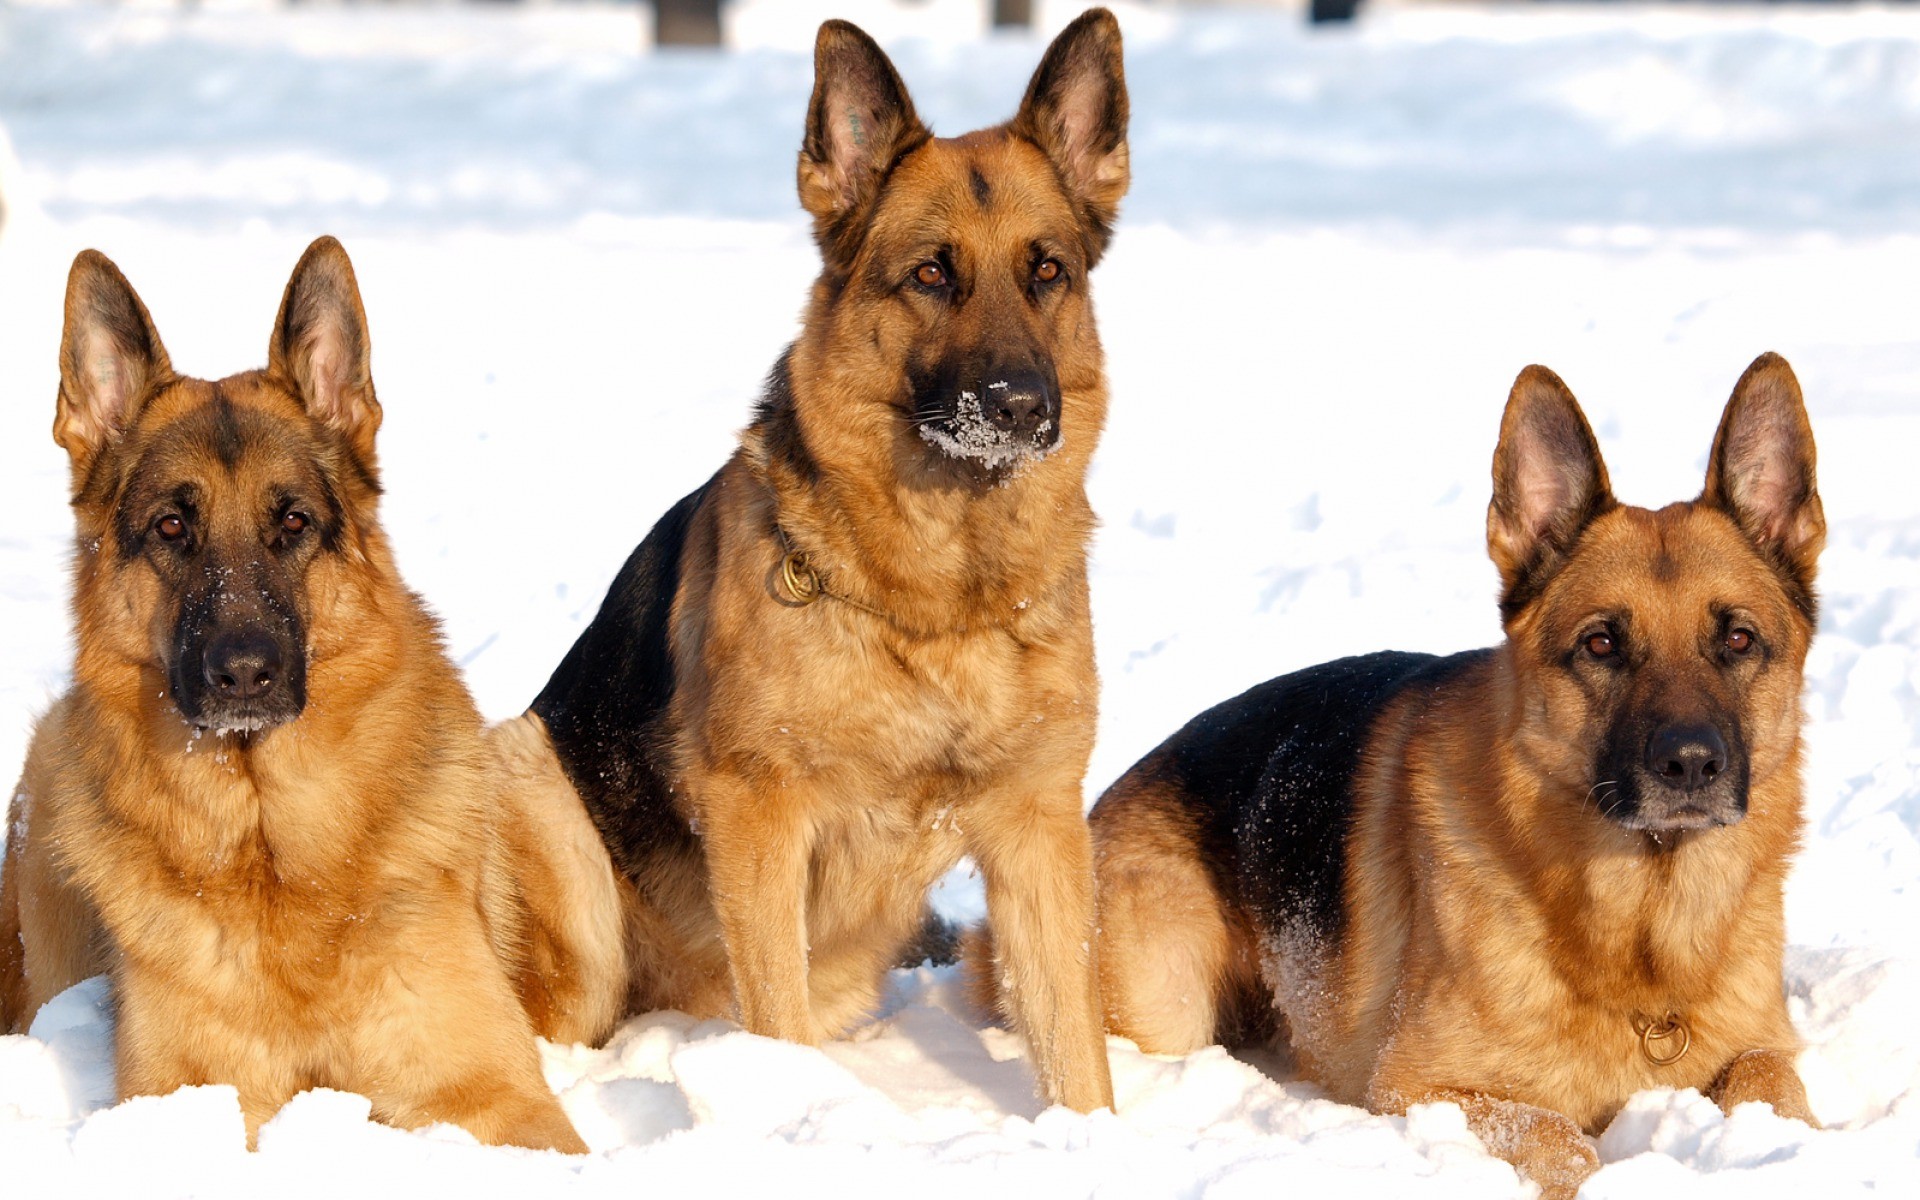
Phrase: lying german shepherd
pixel 863 648
pixel 266 807
pixel 1532 880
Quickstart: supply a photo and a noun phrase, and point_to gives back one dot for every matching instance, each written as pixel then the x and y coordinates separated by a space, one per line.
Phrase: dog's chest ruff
pixel 233 905
pixel 958 705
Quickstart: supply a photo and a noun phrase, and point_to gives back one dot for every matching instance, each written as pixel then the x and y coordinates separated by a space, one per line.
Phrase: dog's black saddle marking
pixel 606 704
pixel 1270 776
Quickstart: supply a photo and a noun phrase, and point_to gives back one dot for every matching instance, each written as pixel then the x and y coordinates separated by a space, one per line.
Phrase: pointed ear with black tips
pixel 1549 483
pixel 320 345
pixel 859 122
pixel 111 359
pixel 1761 470
pixel 1076 111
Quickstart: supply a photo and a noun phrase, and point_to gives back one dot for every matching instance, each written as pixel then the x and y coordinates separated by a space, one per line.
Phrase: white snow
pixel 580 260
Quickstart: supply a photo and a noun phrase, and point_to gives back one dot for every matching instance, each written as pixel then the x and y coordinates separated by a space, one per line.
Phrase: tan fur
pixel 1162 917
pixel 344 900
pixel 836 758
pixel 1502 939
pixel 837 763
pixel 570 969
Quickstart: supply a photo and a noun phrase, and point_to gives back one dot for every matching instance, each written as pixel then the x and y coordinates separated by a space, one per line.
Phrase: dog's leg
pixel 13 960
pixel 1038 863
pixel 758 854
pixel 572 969
pixel 1167 947
pixel 53 939
pixel 60 938
pixel 153 1058
pixel 440 1036
pixel 1546 1146
pixel 1767 1076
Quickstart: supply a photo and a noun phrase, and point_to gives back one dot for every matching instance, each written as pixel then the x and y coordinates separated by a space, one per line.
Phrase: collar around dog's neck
pixel 804 584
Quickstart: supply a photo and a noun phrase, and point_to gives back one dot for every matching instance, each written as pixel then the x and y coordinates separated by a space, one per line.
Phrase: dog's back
pixel 1239 823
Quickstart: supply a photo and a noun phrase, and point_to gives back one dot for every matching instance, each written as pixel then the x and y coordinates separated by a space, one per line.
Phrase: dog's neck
pixel 1649 922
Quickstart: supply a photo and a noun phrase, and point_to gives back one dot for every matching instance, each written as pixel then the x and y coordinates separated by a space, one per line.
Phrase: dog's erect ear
pixel 320 345
pixel 1761 470
pixel 859 121
pixel 1548 484
pixel 1076 110
pixel 110 360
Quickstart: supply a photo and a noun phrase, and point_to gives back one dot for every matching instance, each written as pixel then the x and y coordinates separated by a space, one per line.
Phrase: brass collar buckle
pixel 803 584
pixel 1666 1041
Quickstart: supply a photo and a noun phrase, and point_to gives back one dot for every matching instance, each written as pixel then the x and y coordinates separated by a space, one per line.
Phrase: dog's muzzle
pixel 241 680
pixel 999 420
pixel 1688 776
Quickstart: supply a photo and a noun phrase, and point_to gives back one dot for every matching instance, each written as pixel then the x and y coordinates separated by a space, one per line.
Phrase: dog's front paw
pixel 1547 1148
pixel 1767 1076
pixel 1557 1156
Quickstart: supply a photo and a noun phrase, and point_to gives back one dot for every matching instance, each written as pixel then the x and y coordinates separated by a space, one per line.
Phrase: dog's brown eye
pixel 930 274
pixel 1739 640
pixel 1047 271
pixel 1601 645
pixel 170 527
pixel 294 522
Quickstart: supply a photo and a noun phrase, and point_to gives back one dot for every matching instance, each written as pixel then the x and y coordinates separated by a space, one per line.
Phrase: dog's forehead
pixel 979 185
pixel 1686 563
pixel 212 433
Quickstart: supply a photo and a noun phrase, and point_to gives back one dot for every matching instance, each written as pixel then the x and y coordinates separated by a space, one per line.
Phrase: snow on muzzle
pixel 995 418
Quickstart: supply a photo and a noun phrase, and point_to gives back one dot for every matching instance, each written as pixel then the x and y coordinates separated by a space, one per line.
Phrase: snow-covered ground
pixel 579 260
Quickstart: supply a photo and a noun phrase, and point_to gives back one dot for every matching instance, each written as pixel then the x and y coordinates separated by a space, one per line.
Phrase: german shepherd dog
pixel 1531 880
pixel 863 648
pixel 266 806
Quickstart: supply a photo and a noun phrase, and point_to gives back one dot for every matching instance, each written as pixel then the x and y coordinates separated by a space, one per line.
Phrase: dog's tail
pixel 937 943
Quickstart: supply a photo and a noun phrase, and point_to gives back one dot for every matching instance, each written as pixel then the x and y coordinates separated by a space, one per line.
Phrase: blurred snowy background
pixel 580 255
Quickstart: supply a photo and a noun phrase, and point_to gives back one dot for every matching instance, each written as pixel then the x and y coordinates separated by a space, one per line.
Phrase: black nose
pixel 1019 402
pixel 243 664
pixel 1687 757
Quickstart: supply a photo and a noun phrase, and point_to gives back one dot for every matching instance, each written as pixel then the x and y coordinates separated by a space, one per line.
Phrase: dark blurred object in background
pixel 686 22
pixel 1013 12
pixel 1323 12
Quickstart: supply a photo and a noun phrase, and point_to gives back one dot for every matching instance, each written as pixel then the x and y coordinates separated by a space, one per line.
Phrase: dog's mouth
pixel 240 722
pixel 249 717
pixel 1685 817
pixel 1647 807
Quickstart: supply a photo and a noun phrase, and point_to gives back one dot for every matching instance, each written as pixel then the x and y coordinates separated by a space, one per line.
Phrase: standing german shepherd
pixel 266 806
pixel 1532 880
pixel 863 648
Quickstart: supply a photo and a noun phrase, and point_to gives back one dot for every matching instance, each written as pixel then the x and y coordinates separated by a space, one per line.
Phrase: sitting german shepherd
pixel 1532 880
pixel 266 807
pixel 863 648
